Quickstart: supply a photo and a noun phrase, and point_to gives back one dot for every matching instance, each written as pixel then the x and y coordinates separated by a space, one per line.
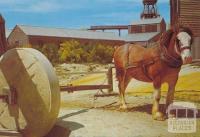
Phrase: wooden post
pixel 119 32
pixel 110 79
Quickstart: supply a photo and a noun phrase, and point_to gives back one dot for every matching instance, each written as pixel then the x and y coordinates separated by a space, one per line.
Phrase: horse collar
pixel 169 59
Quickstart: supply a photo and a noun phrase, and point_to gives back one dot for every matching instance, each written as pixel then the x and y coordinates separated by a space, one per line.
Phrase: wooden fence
pixel 108 86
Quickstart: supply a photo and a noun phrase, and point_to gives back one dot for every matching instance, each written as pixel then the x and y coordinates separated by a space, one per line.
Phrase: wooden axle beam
pixel 83 87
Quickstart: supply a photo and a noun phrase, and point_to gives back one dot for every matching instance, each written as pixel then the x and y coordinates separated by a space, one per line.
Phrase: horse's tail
pixel 119 73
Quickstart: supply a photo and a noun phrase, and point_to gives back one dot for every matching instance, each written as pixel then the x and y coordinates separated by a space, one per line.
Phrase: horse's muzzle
pixel 187 60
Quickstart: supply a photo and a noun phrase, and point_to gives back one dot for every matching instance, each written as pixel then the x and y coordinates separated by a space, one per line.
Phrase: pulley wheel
pixel 32 76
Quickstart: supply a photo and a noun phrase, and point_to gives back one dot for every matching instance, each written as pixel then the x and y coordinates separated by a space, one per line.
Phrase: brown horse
pixel 158 64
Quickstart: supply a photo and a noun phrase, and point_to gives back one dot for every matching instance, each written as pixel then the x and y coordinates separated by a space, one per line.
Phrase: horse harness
pixel 170 60
pixel 143 64
pixel 164 56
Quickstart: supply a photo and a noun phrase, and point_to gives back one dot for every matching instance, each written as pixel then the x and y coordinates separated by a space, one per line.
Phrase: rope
pixel 99 91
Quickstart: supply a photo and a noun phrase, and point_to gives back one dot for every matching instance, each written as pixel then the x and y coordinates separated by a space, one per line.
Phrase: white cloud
pixel 45 6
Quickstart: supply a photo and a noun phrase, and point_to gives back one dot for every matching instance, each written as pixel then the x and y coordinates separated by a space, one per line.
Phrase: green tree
pixel 50 51
pixel 76 52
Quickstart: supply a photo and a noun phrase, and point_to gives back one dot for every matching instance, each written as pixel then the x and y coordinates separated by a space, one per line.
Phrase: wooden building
pixel 149 28
pixel 8 31
pixel 145 39
pixel 188 12
pixel 23 35
pixel 147 25
pixel 146 31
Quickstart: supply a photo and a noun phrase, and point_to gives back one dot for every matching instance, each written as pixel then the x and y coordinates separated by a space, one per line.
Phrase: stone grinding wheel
pixel 38 92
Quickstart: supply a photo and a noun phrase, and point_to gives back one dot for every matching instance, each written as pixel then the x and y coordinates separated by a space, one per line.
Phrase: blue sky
pixel 74 13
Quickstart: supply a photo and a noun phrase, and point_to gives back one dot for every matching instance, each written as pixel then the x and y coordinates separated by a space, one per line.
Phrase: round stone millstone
pixel 38 93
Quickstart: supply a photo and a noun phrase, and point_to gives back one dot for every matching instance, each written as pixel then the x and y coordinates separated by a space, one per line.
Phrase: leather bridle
pixel 169 59
pixel 179 48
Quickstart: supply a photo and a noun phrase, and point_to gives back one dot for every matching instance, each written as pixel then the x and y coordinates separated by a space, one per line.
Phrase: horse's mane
pixel 186 29
pixel 166 37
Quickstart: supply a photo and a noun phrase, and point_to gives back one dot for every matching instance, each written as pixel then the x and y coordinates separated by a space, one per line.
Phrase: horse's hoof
pixel 123 107
pixel 159 116
pixel 171 116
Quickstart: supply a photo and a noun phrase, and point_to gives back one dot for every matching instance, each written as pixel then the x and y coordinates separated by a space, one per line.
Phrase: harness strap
pixel 127 57
pixel 144 65
pixel 145 70
pixel 168 59
pixel 185 48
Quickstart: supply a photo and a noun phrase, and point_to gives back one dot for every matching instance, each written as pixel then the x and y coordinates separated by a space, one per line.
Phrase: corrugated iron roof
pixel 140 37
pixel 147 21
pixel 68 33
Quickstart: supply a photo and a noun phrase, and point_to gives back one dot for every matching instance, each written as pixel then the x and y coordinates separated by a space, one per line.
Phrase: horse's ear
pixel 166 37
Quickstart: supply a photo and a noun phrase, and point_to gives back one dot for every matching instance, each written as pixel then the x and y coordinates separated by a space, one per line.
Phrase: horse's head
pixel 178 44
pixel 183 45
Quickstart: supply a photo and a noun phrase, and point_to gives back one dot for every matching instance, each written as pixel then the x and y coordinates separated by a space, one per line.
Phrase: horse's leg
pixel 170 93
pixel 156 114
pixel 126 81
pixel 120 77
pixel 123 82
pixel 171 89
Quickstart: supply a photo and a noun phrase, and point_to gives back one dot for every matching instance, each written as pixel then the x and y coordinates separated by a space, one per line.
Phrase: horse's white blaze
pixel 185 40
pixel 186 53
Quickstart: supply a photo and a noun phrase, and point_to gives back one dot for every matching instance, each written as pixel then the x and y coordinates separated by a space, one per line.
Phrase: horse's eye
pixel 178 42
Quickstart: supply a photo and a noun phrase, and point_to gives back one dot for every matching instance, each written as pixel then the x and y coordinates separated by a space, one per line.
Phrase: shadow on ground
pixel 147 109
pixel 64 128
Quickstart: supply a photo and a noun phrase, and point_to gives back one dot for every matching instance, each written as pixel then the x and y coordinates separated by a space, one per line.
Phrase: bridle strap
pixel 184 48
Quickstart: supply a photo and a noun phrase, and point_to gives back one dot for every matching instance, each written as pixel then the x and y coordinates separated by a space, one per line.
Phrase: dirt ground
pixel 82 119
pixel 83 115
